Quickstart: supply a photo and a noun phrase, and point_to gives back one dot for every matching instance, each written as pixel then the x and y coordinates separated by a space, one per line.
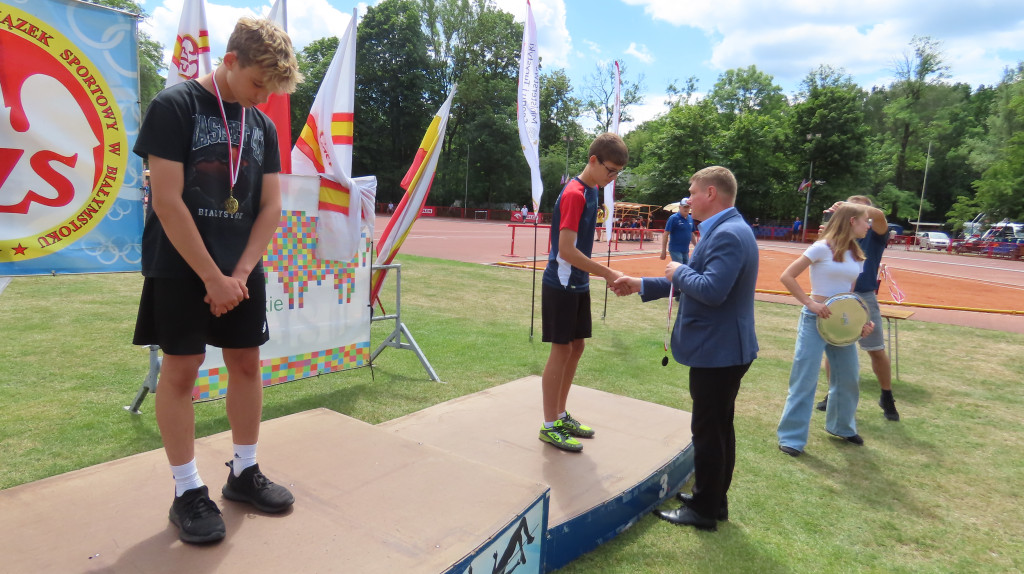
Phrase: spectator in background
pixel 678 234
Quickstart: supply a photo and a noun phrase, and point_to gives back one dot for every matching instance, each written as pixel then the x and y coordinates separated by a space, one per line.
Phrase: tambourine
pixel 844 325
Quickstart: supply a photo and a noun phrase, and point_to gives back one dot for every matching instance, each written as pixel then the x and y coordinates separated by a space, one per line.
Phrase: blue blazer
pixel 715 324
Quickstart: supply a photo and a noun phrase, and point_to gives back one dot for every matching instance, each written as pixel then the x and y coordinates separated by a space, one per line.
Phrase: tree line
pixel 921 144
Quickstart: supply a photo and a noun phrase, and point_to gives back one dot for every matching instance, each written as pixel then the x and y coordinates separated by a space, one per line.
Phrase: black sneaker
pixel 253 487
pixel 888 405
pixel 823 405
pixel 197 517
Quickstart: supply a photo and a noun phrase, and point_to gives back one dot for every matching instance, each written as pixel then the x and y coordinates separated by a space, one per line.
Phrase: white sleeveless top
pixel 830 277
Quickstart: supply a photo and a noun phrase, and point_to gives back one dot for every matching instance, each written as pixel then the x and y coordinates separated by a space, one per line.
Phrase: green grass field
pixel 939 491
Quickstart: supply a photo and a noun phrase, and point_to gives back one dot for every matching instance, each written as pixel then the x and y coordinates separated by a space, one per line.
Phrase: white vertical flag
pixel 324 148
pixel 191 56
pixel 609 190
pixel 529 104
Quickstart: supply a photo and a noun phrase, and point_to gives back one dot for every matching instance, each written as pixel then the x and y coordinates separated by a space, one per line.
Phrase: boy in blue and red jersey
pixel 565 289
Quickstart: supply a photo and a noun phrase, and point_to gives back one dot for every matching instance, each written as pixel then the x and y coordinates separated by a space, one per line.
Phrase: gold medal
pixel 234 168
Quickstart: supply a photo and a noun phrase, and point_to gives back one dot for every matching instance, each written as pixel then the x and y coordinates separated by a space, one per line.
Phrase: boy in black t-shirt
pixel 216 201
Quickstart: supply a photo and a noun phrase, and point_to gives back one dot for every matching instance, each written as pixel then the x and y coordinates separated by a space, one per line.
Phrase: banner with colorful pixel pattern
pixel 318 311
pixel 70 186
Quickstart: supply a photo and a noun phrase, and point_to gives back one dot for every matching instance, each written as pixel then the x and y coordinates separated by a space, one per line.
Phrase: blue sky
pixel 667 40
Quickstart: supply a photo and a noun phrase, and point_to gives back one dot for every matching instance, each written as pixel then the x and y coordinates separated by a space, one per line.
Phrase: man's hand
pixel 626 285
pixel 868 328
pixel 224 293
pixel 670 269
pixel 662 256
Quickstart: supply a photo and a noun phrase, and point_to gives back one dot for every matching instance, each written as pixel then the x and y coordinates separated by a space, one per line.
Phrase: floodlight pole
pixel 810 186
pixel 920 206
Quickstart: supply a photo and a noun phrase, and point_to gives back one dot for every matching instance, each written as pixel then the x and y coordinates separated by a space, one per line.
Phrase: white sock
pixel 245 456
pixel 563 415
pixel 549 425
pixel 186 477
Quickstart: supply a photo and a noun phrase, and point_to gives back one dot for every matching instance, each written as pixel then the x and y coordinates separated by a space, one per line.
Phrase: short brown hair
pixel 861 199
pixel 718 176
pixel 610 147
pixel 262 43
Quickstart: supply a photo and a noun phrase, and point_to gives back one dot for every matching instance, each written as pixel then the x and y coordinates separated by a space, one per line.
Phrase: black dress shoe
pixel 684 516
pixel 790 450
pixel 855 439
pixel 723 512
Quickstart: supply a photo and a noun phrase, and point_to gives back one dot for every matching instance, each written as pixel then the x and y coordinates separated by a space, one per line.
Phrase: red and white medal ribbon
pixel 231 205
pixel 894 289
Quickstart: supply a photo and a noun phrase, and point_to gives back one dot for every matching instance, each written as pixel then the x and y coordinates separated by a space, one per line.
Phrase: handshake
pixel 623 285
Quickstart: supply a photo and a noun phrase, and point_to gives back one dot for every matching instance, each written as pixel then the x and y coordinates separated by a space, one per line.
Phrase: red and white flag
pixel 191 56
pixel 416 184
pixel 528 107
pixel 324 148
pixel 278 106
pixel 609 190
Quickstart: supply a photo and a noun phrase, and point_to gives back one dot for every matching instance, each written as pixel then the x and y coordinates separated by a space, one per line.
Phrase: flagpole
pixel 533 293
pixel 528 118
pixel 609 190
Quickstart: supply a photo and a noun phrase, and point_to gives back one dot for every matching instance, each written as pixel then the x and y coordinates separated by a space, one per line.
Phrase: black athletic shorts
pixel 565 315
pixel 172 314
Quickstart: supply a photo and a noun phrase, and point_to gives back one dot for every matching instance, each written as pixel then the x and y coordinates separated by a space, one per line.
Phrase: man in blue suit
pixel 713 335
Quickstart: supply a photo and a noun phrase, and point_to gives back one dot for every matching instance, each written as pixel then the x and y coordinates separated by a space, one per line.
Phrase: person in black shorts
pixel 213 161
pixel 565 287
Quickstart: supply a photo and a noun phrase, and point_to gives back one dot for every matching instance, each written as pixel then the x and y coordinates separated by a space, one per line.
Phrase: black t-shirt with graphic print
pixel 184 124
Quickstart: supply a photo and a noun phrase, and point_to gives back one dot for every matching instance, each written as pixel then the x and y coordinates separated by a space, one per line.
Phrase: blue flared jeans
pixel 843 386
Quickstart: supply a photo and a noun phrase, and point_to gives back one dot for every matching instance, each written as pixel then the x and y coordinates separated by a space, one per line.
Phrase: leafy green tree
pixel 1000 190
pixel 681 142
pixel 829 129
pixel 755 122
pixel 599 94
pixel 560 134
pixel 747 90
pixel 314 60
pixel 907 113
pixel 475 45
pixel 150 53
pixel 392 106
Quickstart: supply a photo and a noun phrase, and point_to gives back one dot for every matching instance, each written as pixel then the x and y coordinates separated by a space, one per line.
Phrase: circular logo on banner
pixel 62 144
pixel 188 60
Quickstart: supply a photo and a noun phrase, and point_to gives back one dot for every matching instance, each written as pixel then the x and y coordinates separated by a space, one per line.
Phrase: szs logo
pixel 62 146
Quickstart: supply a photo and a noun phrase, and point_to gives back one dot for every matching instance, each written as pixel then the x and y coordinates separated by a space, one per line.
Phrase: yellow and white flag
pixel 191 56
pixel 416 184
pixel 324 148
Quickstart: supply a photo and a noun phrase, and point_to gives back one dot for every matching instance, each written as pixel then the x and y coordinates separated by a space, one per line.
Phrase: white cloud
pixel 640 53
pixel 308 20
pixel 553 39
pixel 788 38
pixel 654 105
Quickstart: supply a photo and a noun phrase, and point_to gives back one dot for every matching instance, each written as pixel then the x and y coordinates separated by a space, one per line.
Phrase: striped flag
pixel 609 190
pixel 803 186
pixel 324 148
pixel 278 106
pixel 191 56
pixel 528 106
pixel 416 184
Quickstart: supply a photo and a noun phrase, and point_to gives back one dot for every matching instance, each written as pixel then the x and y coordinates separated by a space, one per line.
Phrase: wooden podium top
pixel 890 312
